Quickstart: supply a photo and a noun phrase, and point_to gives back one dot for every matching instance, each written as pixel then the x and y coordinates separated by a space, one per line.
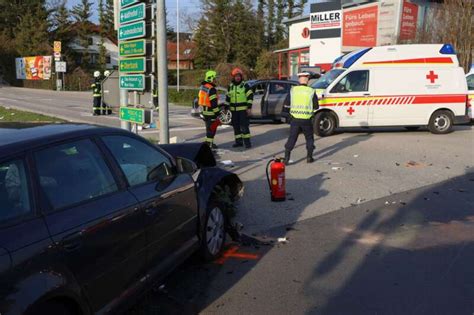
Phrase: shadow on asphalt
pixel 411 257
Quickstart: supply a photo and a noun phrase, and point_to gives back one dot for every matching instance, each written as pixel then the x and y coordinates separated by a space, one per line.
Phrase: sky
pixel 188 6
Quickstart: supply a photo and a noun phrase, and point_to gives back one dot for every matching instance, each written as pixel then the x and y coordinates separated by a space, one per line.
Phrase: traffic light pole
pixel 162 62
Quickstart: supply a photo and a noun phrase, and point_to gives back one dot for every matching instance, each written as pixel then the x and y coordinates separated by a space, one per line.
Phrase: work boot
pixel 309 157
pixel 214 146
pixel 248 145
pixel 287 158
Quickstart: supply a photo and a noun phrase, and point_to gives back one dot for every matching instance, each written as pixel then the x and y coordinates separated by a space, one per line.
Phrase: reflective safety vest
pixel 96 89
pixel 204 99
pixel 237 94
pixel 302 102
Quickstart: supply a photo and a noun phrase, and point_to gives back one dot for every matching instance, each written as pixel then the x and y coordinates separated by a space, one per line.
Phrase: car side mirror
pixel 186 166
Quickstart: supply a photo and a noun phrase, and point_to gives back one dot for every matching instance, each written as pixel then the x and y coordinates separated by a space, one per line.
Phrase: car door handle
pixel 72 242
pixel 150 211
pixel 366 94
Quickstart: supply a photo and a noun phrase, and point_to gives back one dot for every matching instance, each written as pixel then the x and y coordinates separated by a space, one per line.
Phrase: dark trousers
pixel 97 105
pixel 297 127
pixel 211 129
pixel 240 122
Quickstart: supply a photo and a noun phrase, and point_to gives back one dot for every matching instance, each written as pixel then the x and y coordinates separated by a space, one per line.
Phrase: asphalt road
pixel 381 223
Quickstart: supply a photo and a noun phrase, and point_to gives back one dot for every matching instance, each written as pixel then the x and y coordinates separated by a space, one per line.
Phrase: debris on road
pixel 337 168
pixel 228 163
pixel 414 164
pixel 360 200
pixel 356 155
pixel 282 240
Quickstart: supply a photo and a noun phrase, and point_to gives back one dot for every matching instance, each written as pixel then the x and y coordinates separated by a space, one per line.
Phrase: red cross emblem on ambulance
pixel 432 76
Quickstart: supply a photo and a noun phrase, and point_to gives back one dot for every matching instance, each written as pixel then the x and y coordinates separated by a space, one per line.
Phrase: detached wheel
pixel 324 124
pixel 213 240
pixel 225 117
pixel 441 122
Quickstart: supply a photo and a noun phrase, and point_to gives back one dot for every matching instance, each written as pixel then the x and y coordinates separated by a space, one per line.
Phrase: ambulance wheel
pixel 324 124
pixel 214 234
pixel 441 122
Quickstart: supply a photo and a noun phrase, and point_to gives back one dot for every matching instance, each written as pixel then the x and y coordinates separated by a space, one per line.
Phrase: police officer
pixel 207 99
pixel 304 103
pixel 240 98
pixel 97 94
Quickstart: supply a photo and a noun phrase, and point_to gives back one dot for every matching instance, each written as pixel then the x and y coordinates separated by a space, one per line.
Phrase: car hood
pixel 199 153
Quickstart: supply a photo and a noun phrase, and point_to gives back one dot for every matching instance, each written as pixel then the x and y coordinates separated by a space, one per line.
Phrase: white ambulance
pixel 401 85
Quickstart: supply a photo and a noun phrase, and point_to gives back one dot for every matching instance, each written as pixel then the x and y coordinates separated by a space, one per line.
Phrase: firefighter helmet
pixel 210 76
pixel 237 71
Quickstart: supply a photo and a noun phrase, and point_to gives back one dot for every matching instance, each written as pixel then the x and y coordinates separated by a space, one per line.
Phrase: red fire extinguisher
pixel 276 179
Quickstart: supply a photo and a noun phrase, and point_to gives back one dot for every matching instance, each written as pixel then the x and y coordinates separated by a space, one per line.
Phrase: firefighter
pixel 303 105
pixel 97 94
pixel 240 98
pixel 208 101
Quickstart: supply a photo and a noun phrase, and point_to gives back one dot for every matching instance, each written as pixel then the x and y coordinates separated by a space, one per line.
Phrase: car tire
pixel 52 307
pixel 324 124
pixel 412 128
pixel 225 117
pixel 441 122
pixel 214 233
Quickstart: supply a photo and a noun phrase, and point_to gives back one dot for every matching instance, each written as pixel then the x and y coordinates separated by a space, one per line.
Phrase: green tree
pixel 279 27
pixel 11 13
pixel 82 13
pixel 31 33
pixel 103 35
pixel 61 26
pixel 108 20
pixel 267 65
pixel 261 22
pixel 270 24
pixel 245 49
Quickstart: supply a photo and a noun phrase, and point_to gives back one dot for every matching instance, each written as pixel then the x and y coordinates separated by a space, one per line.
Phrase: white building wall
pixel 296 38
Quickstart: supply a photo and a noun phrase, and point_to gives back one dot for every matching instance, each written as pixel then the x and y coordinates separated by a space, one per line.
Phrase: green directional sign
pixel 131 31
pixel 124 3
pixel 132 65
pixel 132 14
pixel 134 82
pixel 132 48
pixel 134 115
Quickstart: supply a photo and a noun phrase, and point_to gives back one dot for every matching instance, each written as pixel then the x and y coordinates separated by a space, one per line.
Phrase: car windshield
pixel 324 81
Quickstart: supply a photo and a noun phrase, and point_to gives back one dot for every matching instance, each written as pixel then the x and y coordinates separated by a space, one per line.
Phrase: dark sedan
pixel 90 216
pixel 269 98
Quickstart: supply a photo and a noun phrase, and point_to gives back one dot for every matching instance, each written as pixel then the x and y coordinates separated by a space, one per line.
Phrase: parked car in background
pixel 269 99
pixel 470 87
pixel 90 216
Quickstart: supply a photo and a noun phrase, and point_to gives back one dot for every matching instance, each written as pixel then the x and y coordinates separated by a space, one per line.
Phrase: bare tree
pixel 451 22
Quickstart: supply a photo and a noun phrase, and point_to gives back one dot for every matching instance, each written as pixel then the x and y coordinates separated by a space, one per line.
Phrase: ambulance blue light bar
pixel 447 49
pixel 350 61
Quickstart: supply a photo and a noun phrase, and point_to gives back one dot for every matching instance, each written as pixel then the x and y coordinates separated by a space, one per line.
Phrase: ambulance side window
pixel 355 81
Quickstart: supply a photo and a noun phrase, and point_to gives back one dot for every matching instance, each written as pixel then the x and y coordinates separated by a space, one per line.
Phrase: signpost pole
pixel 124 102
pixel 162 71
pixel 177 43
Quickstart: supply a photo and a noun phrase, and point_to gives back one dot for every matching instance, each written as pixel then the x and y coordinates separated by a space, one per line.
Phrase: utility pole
pixel 162 62
pixel 177 42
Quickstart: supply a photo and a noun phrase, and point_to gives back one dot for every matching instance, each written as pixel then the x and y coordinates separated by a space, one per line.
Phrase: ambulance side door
pixel 348 96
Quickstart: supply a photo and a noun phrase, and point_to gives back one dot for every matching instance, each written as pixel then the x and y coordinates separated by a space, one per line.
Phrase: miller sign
pixel 328 19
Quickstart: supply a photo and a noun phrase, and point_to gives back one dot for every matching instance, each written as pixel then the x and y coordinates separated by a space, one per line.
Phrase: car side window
pixel 470 82
pixel 279 88
pixel 355 81
pixel 73 172
pixel 140 162
pixel 14 192
pixel 259 89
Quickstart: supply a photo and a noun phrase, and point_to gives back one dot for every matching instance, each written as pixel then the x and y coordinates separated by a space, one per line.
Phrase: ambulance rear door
pixel 346 97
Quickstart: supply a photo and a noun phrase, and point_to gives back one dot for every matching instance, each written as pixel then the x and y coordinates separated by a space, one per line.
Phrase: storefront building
pixel 340 26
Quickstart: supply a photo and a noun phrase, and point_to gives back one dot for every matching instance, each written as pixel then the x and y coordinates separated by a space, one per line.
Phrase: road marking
pixel 232 253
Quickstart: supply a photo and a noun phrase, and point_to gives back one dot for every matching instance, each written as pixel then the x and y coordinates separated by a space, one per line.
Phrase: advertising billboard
pixel 359 27
pixel 33 68
pixel 409 21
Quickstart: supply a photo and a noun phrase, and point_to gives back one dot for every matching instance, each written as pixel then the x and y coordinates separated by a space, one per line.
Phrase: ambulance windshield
pixel 324 81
